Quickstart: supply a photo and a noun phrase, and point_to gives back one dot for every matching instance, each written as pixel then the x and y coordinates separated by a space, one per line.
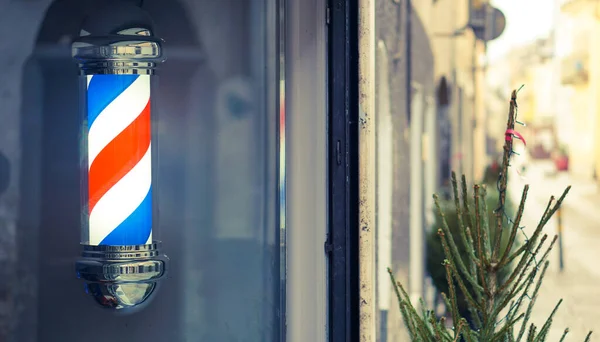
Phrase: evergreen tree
pixel 496 304
pixel 435 249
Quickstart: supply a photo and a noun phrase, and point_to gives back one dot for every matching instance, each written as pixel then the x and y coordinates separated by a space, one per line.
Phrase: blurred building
pixel 530 66
pixel 458 61
pixel 580 71
pixel 431 120
pixel 498 88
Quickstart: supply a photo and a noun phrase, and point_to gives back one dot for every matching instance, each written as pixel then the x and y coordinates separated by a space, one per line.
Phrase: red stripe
pixel 119 157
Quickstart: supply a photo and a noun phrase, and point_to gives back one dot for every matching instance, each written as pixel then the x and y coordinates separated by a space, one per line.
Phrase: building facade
pixel 298 145
pixel 428 80
pixel 579 23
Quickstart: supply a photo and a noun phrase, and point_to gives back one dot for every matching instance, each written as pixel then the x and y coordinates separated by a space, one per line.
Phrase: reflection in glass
pixel 281 23
pixel 384 181
pixel 218 170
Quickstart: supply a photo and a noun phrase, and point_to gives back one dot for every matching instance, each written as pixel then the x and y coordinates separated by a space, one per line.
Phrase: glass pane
pixel 218 188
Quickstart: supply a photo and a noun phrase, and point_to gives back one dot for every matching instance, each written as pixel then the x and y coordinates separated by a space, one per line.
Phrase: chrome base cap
pixel 122 278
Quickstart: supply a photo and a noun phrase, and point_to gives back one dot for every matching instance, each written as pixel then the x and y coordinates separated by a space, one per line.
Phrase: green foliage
pixel 498 281
pixel 435 250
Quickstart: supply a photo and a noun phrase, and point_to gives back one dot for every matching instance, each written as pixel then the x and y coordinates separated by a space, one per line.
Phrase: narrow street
pixel 578 284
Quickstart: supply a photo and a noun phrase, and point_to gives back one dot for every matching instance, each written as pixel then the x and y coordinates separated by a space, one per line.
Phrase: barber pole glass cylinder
pixel 117 54
pixel 119 165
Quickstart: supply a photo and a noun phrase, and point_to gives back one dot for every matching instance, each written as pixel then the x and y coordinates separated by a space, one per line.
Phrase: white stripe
pixel 118 115
pixel 89 79
pixel 121 200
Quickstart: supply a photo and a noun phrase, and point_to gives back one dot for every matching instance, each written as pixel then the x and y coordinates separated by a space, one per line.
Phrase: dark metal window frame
pixel 342 242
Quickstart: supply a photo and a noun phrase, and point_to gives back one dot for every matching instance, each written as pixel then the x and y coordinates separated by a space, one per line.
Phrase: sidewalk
pixel 579 283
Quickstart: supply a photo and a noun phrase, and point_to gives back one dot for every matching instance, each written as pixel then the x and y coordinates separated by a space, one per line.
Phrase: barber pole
pixel 119 160
pixel 121 263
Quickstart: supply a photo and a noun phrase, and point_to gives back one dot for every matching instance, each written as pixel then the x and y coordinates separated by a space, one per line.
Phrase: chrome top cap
pixel 118 38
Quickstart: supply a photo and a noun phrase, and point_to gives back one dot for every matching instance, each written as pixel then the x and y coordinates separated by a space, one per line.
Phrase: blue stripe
pixel 102 90
pixel 135 229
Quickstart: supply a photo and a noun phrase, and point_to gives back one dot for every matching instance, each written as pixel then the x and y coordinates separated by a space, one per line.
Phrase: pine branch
pixel 454 307
pixel 527 246
pixel 502 184
pixel 500 336
pixel 519 282
pixel 471 262
pixel 453 253
pixel 551 213
pixel 535 271
pixel 519 271
pixel 544 333
pixel 534 237
pixel 460 282
pixel 512 311
pixel 475 316
pixel 468 335
pixel 477 257
pixel 531 334
pixel 465 197
pixel 533 299
pixel 459 214
pixel 476 264
pixel 485 223
pixel 482 240
pixel 408 319
pixel 514 230
pixel 425 314
pixel 564 335
pixel 461 324
pixel 546 326
pixel 515 307
pixel 438 330
pixel 478 231
pixel 548 213
pixel 445 333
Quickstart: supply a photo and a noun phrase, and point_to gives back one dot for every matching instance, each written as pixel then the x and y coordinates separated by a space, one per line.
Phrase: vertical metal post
pixel 560 240
pixel 343 284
